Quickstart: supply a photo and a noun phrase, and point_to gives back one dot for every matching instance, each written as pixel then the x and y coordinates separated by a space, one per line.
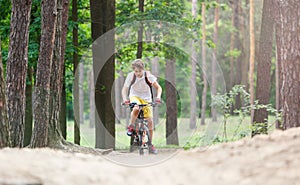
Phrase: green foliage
pixel 226 101
pixel 235 53
pixel 5 28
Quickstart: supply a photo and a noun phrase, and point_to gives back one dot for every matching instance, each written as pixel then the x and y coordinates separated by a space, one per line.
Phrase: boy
pixel 138 84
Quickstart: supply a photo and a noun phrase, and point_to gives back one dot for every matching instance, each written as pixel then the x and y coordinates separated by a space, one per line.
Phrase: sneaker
pixel 152 150
pixel 130 129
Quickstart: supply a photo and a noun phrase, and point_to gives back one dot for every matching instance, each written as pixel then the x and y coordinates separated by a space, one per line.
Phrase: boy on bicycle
pixel 138 84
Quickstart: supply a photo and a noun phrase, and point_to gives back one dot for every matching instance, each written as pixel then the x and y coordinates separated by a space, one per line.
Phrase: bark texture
pixel 56 81
pixel 289 12
pixel 4 124
pixel 139 53
pixel 42 86
pixel 171 102
pixel 263 82
pixel 16 69
pixel 76 74
pixel 28 112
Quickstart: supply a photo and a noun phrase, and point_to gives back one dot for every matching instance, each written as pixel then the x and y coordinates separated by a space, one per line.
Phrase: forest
pixel 228 70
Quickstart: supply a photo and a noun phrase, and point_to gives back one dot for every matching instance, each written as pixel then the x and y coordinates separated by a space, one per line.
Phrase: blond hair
pixel 138 63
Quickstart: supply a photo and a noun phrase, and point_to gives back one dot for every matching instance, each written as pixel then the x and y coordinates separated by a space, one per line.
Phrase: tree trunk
pixel 193 90
pixel 289 11
pixel 55 137
pixel 4 124
pixel 103 20
pixel 245 50
pixel 139 53
pixel 28 112
pixel 279 74
pixel 214 61
pixel 42 86
pixel 171 103
pixel 232 47
pixel 81 93
pixel 76 80
pixel 239 46
pixel 63 111
pixel 155 72
pixel 16 69
pixel 118 100
pixel 263 82
pixel 63 105
pixel 203 107
pixel 252 55
pixel 92 98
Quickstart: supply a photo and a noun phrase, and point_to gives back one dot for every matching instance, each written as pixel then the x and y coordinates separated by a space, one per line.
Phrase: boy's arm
pixel 125 93
pixel 158 89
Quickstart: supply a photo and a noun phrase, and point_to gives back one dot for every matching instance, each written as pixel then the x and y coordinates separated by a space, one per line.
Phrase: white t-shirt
pixel 140 88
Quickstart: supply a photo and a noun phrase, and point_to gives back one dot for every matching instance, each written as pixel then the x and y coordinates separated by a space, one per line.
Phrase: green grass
pixel 203 135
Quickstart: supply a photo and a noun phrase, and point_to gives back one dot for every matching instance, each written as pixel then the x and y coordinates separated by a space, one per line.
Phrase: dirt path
pixel 270 160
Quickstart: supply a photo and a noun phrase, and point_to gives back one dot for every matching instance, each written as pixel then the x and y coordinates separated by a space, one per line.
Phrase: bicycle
pixel 140 137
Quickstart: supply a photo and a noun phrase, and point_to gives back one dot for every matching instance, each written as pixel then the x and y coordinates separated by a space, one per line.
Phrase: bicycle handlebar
pixel 153 104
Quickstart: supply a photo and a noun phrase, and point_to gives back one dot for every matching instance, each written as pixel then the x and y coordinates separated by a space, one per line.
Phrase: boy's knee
pixel 135 110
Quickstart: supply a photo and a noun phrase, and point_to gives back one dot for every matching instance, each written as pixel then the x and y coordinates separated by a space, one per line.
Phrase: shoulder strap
pixel 147 80
pixel 149 84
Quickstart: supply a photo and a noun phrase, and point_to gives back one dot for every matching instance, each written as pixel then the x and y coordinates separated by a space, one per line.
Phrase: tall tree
pixel 139 53
pixel 16 69
pixel 92 98
pixel 155 72
pixel 4 124
pixel 214 60
pixel 118 87
pixel 28 112
pixel 263 82
pixel 76 73
pixel 238 44
pixel 103 20
pixel 289 12
pixel 63 108
pixel 203 108
pixel 81 93
pixel 193 91
pixel 43 74
pixel 56 81
pixel 252 55
pixel 232 46
pixel 279 73
pixel 171 103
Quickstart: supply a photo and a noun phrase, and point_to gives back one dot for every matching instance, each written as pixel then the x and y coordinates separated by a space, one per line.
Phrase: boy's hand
pixel 126 102
pixel 158 101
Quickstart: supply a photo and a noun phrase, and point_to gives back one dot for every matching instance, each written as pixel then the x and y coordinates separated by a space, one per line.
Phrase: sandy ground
pixel 270 160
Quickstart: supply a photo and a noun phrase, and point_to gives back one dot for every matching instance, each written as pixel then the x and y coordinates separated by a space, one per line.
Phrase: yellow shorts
pixel 147 110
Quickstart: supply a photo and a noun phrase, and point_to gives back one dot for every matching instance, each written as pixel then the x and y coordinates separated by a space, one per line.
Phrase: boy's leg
pixel 150 127
pixel 134 115
pixel 135 111
pixel 148 116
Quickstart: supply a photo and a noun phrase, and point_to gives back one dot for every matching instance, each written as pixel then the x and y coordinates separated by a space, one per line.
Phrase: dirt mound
pixel 273 159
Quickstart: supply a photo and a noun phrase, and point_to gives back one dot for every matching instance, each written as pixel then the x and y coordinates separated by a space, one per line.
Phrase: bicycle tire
pixel 141 149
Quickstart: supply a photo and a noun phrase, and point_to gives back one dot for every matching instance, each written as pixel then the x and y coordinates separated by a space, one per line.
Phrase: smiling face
pixel 138 72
